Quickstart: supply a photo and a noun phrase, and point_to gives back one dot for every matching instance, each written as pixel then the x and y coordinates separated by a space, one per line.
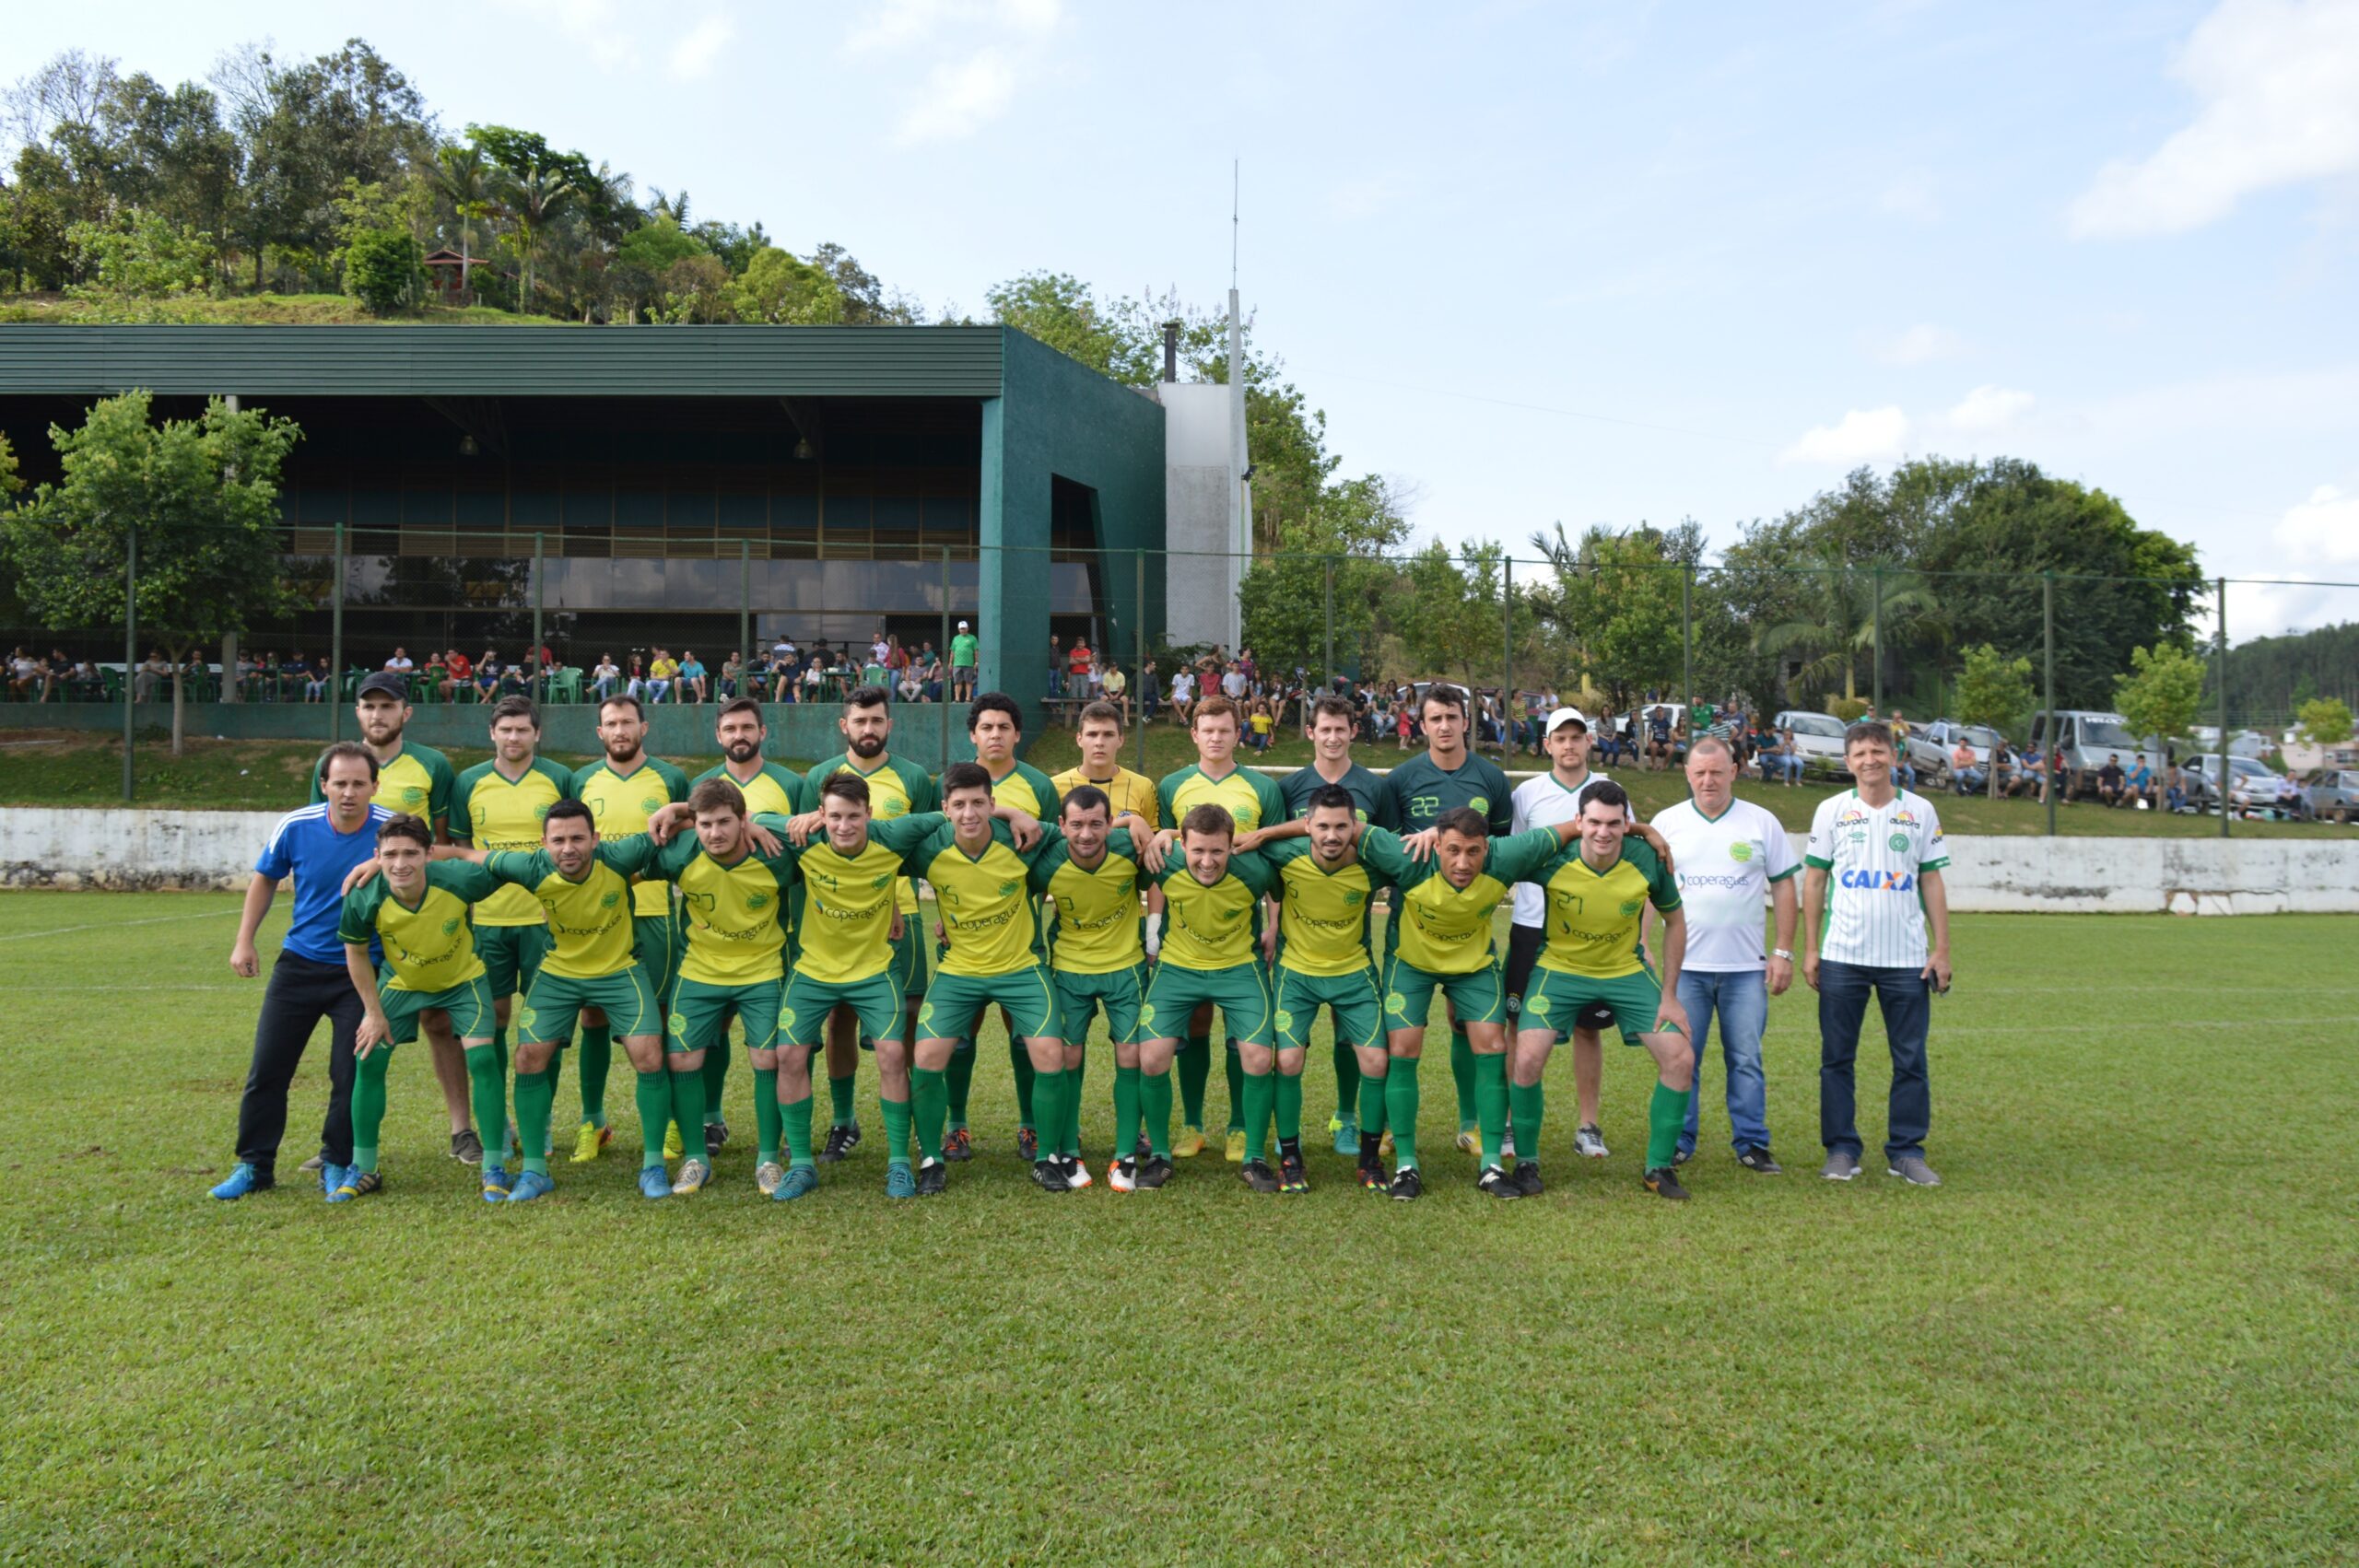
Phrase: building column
pixel 1012 608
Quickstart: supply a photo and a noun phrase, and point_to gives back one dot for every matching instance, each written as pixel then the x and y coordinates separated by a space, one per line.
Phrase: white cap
pixel 1566 716
pixel 962 625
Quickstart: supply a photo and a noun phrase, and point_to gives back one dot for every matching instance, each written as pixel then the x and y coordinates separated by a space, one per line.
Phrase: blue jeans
pixel 1904 997
pixel 1970 780
pixel 1742 998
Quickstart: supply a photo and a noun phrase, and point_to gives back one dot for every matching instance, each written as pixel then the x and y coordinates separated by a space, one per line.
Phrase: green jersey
pixel 1370 795
pixel 771 788
pixel 985 899
pixel 430 946
pixel 1026 789
pixel 962 651
pixel 844 905
pixel 622 803
pixel 1423 792
pixel 1322 915
pixel 1445 929
pixel 1099 928
pixel 1592 919
pixel 1250 799
pixel 589 919
pixel 896 789
pixel 491 811
pixel 734 908
pixel 1217 926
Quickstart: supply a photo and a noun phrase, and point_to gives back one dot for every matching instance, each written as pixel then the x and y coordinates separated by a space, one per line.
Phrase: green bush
pixel 381 269
pixel 1850 710
pixel 139 256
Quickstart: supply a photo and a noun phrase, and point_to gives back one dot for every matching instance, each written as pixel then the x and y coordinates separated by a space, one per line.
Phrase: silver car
pixel 2333 794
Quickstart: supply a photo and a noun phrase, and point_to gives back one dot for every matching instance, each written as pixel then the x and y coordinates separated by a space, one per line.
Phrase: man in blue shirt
pixel 317 846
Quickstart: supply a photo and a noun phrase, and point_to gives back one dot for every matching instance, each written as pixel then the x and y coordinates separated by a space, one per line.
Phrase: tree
pixel 1995 691
pixel 697 291
pixel 2160 694
pixel 463 179
pixel 203 494
pixel 2326 722
pixel 1284 597
pixel 1059 311
pixel 538 182
pixel 139 256
pixel 781 289
pixel 865 301
pixel 382 269
pixel 1848 609
pixel 1615 598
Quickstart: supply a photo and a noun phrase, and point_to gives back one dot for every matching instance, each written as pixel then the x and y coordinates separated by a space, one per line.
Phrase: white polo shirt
pixel 1873 857
pixel 1544 803
pixel 1726 866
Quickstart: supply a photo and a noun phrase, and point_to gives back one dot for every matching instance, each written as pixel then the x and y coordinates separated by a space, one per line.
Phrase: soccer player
pixel 1737 858
pixel 499 804
pixel 1872 893
pixel 896 789
pixel 1326 898
pixel 1100 738
pixel 316 846
pixel 1211 905
pixel 415 912
pixel 622 788
pixel 996 724
pixel 1444 778
pixel 415 779
pixel 980 880
pixel 1595 895
pixel 1088 876
pixel 1332 724
pixel 1252 802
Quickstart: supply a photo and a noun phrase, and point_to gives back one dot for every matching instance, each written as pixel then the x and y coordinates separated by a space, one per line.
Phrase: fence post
pixel 2221 588
pixel 1687 637
pixel 745 612
pixel 1507 647
pixel 540 667
pixel 2046 738
pixel 1875 623
pixel 1330 613
pixel 943 662
pixel 1139 677
pixel 130 649
pixel 335 643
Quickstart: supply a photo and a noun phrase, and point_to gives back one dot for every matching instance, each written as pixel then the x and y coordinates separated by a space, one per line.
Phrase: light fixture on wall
pixel 802 448
pixel 467 446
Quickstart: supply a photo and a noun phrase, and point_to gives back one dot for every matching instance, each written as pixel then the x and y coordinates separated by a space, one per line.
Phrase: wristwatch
pixel 1785 953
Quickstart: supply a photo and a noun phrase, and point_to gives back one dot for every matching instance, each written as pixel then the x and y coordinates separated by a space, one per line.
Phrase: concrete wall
pixel 1200 508
pixel 41 847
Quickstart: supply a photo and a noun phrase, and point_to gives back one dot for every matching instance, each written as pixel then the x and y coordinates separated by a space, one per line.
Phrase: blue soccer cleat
pixel 1347 1134
pixel 653 1182
pixel 333 1176
pixel 529 1186
pixel 898 1181
pixel 242 1181
pixel 495 1182
pixel 800 1182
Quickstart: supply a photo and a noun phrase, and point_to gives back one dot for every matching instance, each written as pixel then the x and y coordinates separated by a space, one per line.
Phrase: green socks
pixel 655 1100
pixel 1069 1141
pixel 1347 1082
pixel 369 1106
pixel 843 1103
pixel 1401 1108
pixel 597 1057
pixel 716 1074
pixel 765 1116
pixel 798 1130
pixel 1126 1110
pixel 929 1097
pixel 1529 1103
pixel 1491 1103
pixel 689 1107
pixel 897 1132
pixel 1235 1064
pixel 1666 1115
pixel 1462 1072
pixel 1155 1108
pixel 1195 1061
pixel 535 1093
pixel 1019 1058
pixel 1371 1104
pixel 489 1081
pixel 1048 1105
pixel 958 1078
pixel 1289 1108
pixel 1260 1092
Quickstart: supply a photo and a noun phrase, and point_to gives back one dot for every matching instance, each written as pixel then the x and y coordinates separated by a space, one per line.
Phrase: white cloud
pixel 1864 434
pixel 595 27
pixel 2278 86
pixel 696 54
pixel 985 50
pixel 1989 408
pixel 959 99
pixel 1919 344
pixel 2322 531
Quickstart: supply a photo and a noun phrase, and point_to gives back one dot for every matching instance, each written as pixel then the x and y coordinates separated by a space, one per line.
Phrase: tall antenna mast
pixel 1234 165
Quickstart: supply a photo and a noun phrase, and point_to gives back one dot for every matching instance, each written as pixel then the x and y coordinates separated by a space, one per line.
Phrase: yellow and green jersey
pixel 1593 916
pixel 589 919
pixel 1217 926
pixel 1251 798
pixel 1099 928
pixel 774 789
pixel 1445 929
pixel 985 899
pixel 1026 789
pixel 491 811
pixel 733 908
pixel 844 903
pixel 896 789
pixel 1129 791
pixel 417 781
pixel 430 946
pixel 1322 914
pixel 623 802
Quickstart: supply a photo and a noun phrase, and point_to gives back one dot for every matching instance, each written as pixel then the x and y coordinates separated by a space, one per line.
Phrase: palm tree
pixel 463 179
pixel 1843 618
pixel 536 196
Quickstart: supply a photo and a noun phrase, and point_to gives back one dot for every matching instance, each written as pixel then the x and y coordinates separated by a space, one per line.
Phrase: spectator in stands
pixel 293 676
pixel 786 672
pixel 1965 771
pixel 662 676
pixel 1081 670
pixel 876 673
pixel 1183 695
pixel 1264 723
pixel 1658 738
pixel 2140 783
pixel 153 670
pixel 458 670
pixel 400 663
pixel 1790 756
pixel 2174 788
pixel 243 674
pixel 1234 683
pixel 1116 688
pixel 911 685
pixel 487 676
pixel 604 678
pixel 733 671
pixel 696 684
pixel 782 651
pixel 2111 781
pixel 963 654
pixel 1056 665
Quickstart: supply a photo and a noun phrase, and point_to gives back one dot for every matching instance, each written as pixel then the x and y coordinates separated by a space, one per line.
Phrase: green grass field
pixel 2127 1330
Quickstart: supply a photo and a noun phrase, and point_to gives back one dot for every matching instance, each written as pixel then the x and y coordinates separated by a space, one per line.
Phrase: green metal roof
pixel 403 361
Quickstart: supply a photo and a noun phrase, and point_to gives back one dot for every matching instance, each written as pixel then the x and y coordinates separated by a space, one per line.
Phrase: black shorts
pixel 1524 943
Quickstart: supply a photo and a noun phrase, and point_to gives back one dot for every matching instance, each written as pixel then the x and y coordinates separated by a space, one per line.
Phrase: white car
pixel 1817 736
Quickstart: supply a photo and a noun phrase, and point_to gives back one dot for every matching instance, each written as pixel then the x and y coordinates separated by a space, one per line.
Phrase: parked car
pixel 2251 787
pixel 1818 737
pixel 2333 793
pixel 1929 747
pixel 2086 737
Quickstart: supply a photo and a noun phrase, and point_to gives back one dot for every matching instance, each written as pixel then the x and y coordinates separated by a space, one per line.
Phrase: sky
pixel 1588 263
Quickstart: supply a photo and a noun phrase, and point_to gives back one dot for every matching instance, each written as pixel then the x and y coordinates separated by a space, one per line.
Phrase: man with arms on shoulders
pixel 1873 894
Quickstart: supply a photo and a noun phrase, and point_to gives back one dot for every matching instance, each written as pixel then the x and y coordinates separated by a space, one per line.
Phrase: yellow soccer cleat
pixel 1470 1141
pixel 590 1140
pixel 1235 1146
pixel 1188 1144
pixel 671 1140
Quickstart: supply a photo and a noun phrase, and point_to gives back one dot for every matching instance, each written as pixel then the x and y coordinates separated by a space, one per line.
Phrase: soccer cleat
pixel 716 1133
pixel 1589 1142
pixel 694 1173
pixel 1258 1176
pixel 653 1182
pixel 1506 1145
pixel 242 1179
pixel 1047 1177
pixel 957 1144
pixel 1498 1183
pixel 317 1162
pixel 1912 1169
pixel 672 1147
pixel 1347 1133
pixel 1470 1141
pixel 1235 1146
pixel 843 1139
pixel 590 1140
pixel 1122 1176
pixel 934 1178
pixel 1027 1144
pixel 1755 1158
pixel 1663 1182
pixel 1142 1148
pixel 1154 1173
pixel 356 1183
pixel 899 1182
pixel 767 1175
pixel 1371 1175
pixel 1841 1165
pixel 531 1185
pixel 1407 1184
pixel 1384 1145
pixel 800 1181
pixel 1188 1144
pixel 1293 1174
pixel 1076 1174
pixel 1527 1177
pixel 332 1177
pixel 466 1147
pixel 496 1182
pixel 1681 1156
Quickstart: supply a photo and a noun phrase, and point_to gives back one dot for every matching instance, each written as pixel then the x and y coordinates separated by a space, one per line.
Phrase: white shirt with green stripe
pixel 1726 866
pixel 1874 857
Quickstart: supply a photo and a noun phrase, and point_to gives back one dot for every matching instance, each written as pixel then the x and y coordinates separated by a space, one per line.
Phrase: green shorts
pixel 1121 993
pixel 1360 1007
pixel 468 1004
pixel 1478 998
pixel 955 1004
pixel 876 1001
pixel 1241 991
pixel 700 1011
pixel 511 956
pixel 1635 999
pixel 655 942
pixel 907 967
pixel 553 1005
